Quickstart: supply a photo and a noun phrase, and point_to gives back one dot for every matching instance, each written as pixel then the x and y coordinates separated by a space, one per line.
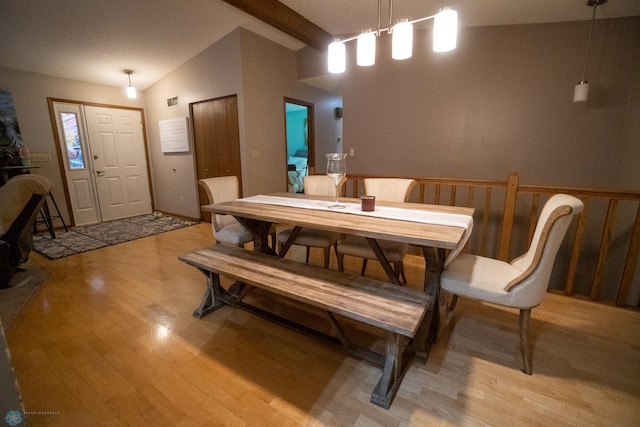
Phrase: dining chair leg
pixel 340 257
pixel 525 317
pixel 454 300
pixel 327 254
pixel 274 241
pixel 446 304
pixel 398 266
pixel 364 266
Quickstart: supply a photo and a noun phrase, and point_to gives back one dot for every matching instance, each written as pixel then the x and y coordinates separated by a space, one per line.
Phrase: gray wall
pixel 501 102
pixel 261 73
pixel 204 77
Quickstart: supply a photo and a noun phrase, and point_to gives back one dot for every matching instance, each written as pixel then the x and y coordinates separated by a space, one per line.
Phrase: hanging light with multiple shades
pixel 445 33
pixel 581 90
pixel 131 91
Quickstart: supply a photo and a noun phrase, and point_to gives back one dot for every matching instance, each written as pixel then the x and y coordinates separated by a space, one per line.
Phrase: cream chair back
pixel 321 185
pixel 221 189
pixel 389 189
pixel 528 289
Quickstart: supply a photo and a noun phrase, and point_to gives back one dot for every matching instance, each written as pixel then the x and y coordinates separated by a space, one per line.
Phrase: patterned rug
pixel 90 237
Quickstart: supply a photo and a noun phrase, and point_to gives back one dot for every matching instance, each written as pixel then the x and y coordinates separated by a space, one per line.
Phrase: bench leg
pixel 209 302
pixel 342 336
pixel 392 373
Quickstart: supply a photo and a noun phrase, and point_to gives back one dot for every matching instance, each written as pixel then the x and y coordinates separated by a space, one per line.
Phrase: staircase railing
pixel 599 257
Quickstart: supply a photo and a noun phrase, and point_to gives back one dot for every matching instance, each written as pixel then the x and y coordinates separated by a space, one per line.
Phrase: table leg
pixel 428 330
pixel 260 230
pixel 290 240
pixel 386 265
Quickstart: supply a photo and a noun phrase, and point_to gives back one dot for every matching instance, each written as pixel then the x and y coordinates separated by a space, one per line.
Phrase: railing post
pixel 630 264
pixel 598 276
pixel 509 212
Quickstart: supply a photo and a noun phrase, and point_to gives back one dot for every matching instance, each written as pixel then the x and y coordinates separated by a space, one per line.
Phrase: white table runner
pixel 413 215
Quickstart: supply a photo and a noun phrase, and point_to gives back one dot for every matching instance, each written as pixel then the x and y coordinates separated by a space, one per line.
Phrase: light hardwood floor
pixel 110 340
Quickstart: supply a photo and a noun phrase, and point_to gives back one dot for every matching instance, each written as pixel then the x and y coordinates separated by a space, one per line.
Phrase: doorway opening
pixel 300 142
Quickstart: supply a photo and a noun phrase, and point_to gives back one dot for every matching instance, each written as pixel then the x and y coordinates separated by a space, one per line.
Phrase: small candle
pixel 368 203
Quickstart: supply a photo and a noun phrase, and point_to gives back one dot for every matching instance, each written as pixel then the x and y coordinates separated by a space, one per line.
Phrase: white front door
pixel 76 162
pixel 119 162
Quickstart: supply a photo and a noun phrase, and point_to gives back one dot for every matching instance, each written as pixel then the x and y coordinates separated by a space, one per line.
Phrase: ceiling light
pixel 337 57
pixel 402 40
pixel 131 91
pixel 445 30
pixel 445 33
pixel 366 52
pixel 581 90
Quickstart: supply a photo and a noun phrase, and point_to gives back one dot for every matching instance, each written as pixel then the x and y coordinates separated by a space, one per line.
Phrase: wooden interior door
pixel 217 142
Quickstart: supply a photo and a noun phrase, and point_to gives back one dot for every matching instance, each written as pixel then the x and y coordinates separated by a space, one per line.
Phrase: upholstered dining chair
pixel 226 229
pixel 387 190
pixel 520 284
pixel 316 185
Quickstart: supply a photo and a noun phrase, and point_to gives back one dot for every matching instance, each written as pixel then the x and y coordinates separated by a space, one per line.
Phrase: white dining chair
pixel 520 284
pixel 226 229
pixel 387 190
pixel 315 185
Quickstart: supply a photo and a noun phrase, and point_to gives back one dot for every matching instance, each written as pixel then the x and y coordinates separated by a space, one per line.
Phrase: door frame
pixel 60 154
pixel 311 134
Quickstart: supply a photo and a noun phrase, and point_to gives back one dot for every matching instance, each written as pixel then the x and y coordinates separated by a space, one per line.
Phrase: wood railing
pixel 599 257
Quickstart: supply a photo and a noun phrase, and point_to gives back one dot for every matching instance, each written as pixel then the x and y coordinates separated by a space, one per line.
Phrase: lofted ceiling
pixel 96 41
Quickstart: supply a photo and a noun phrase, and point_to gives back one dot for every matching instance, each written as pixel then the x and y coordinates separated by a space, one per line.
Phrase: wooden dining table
pixel 436 240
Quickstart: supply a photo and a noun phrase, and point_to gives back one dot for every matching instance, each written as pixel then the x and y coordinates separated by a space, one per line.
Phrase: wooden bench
pixel 399 311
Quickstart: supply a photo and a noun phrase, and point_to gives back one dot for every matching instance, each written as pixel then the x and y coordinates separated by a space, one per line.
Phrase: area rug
pixel 90 237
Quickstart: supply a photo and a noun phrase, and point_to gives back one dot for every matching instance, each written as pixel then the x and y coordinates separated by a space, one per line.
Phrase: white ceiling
pixel 94 41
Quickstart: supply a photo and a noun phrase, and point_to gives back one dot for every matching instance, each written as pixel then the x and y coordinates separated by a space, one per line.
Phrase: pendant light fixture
pixel 402 40
pixel 581 90
pixel 366 51
pixel 337 56
pixel 445 33
pixel 131 91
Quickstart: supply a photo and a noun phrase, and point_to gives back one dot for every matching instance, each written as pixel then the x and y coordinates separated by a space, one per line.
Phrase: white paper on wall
pixel 174 135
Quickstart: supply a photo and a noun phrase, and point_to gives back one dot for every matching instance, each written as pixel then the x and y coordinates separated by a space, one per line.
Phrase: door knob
pixel 100 173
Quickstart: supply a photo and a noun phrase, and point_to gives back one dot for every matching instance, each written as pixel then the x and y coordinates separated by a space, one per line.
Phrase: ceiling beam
pixel 286 20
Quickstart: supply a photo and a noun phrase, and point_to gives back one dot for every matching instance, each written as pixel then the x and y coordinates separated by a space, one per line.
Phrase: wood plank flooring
pixel 110 340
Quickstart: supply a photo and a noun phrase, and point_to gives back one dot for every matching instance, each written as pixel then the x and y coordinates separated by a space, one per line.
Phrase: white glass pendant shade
pixel 581 92
pixel 445 30
pixel 131 92
pixel 366 54
pixel 402 40
pixel 337 57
